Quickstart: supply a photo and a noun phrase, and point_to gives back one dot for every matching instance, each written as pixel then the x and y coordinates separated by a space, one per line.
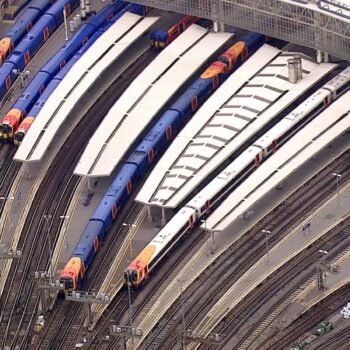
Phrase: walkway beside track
pixel 251 98
pixel 206 256
pixel 132 114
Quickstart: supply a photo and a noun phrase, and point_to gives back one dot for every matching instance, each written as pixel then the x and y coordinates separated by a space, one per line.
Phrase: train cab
pixel 22 130
pixel 5 45
pixel 10 123
pixel 230 56
pixel 70 274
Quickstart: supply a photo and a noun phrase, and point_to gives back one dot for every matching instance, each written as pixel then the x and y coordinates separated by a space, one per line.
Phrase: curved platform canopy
pixel 303 146
pixel 145 97
pixel 78 81
pixel 254 95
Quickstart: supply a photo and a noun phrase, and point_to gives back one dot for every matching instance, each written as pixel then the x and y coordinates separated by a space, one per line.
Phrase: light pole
pixel 22 75
pixel 337 176
pixel 266 242
pixel 204 221
pixel 130 309
pixel 130 227
pixel 48 218
pixel 64 217
pixel 65 23
pixel 183 316
pixel 11 198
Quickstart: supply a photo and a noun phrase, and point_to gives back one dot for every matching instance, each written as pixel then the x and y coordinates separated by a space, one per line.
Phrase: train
pixel 22 26
pixel 162 38
pixel 23 105
pixel 213 193
pixel 150 147
pixel 32 42
pixel 25 102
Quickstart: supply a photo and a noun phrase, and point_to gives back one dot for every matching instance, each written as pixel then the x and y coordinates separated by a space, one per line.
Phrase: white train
pixel 232 175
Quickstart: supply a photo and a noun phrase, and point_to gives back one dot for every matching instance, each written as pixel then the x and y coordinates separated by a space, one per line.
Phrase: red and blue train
pixel 162 38
pixel 145 154
pixel 32 42
pixel 23 26
pixel 22 106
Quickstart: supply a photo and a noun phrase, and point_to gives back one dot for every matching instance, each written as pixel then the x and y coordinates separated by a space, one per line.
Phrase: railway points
pixel 299 149
pixel 312 295
pixel 226 122
pixel 75 87
pixel 135 110
pixel 279 255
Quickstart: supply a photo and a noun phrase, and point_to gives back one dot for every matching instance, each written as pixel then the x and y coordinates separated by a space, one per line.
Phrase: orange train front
pixel 10 123
pixel 140 267
pixel 22 130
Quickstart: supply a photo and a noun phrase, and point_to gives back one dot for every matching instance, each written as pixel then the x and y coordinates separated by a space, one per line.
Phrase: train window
pixel 67 8
pixel 129 186
pixel 194 103
pixel 114 211
pixel 8 82
pixel 150 155
pixel 215 81
pixel 169 132
pixel 245 54
pixel 26 57
pixel 46 33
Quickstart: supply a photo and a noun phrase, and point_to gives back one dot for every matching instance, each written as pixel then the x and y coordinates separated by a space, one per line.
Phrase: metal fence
pixel 288 20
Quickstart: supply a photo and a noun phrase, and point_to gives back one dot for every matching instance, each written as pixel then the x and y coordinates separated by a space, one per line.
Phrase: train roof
pixel 144 98
pixel 78 81
pixel 314 137
pixel 256 93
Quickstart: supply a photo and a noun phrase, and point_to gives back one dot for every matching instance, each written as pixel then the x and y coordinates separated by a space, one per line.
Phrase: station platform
pixel 223 240
pixel 104 60
pixel 304 145
pixel 253 97
pixel 56 41
pixel 133 112
pixel 13 216
pixel 27 182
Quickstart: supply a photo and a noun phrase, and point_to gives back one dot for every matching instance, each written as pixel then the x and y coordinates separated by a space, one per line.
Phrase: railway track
pixel 96 113
pixel 271 301
pixel 152 291
pixel 20 297
pixel 308 321
pixel 337 339
pixel 68 321
pixel 204 293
